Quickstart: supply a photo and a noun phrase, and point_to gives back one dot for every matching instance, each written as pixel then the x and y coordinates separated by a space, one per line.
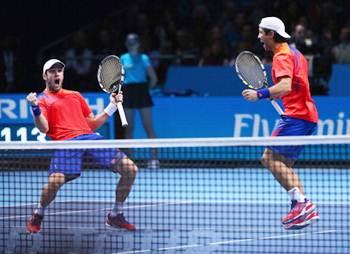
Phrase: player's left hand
pixel 250 94
pixel 115 98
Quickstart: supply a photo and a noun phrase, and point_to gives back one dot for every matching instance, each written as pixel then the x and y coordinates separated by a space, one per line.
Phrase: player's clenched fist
pixel 32 99
pixel 250 94
pixel 115 98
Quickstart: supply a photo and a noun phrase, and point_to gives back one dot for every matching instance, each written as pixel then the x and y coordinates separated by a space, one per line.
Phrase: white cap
pixel 274 24
pixel 50 63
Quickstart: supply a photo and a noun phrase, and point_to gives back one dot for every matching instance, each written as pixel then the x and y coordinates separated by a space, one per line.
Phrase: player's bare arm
pixel 97 121
pixel 39 119
pixel 283 87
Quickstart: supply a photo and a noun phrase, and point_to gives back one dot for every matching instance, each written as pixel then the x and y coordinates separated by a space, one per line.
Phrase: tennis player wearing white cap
pixel 291 84
pixel 64 115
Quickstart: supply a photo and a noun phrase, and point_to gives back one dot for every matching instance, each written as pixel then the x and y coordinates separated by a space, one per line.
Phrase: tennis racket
pixel 251 71
pixel 110 76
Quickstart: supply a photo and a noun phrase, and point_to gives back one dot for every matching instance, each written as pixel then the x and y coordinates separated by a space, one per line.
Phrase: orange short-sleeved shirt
pixel 298 103
pixel 66 113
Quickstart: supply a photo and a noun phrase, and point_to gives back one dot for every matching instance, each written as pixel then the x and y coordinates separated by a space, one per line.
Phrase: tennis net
pixel 208 196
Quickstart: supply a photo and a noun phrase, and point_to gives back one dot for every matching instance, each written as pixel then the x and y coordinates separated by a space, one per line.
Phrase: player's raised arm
pixel 39 119
pixel 97 121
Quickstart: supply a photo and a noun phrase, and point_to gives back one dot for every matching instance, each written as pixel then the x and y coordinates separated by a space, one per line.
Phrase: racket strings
pixel 251 71
pixel 110 72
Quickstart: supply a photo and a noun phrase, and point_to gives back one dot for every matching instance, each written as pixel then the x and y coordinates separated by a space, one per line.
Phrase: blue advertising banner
pixel 184 117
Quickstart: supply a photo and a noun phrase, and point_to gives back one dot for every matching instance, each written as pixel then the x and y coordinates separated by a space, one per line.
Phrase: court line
pixel 228 242
pixel 133 252
pixel 182 201
pixel 93 210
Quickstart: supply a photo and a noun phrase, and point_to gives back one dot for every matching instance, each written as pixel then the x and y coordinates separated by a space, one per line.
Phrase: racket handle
pixel 277 107
pixel 122 114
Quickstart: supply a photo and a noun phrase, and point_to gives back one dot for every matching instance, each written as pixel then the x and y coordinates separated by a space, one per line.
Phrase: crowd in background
pixel 189 32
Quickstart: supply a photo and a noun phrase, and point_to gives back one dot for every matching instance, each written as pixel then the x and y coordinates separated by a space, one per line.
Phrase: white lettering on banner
pixel 252 124
pixel 239 124
pixel 98 107
pixel 7 107
pixel 331 127
pixel 23 112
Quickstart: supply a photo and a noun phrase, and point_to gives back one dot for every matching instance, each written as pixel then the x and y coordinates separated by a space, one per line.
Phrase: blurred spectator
pixel 201 22
pixel 326 44
pixel 232 30
pixel 185 48
pixel 303 41
pixel 79 63
pixel 104 44
pixel 342 50
pixel 215 53
pixel 9 70
pixel 176 32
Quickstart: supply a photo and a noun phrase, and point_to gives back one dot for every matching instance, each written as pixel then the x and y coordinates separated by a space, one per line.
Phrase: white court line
pixel 92 210
pixel 132 251
pixel 183 201
pixel 234 241
pixel 170 201
pixel 180 247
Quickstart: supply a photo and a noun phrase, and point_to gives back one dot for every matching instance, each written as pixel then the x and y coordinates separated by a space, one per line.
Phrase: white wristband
pixel 110 109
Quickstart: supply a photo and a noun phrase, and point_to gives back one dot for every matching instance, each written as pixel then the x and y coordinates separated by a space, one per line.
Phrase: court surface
pixel 211 210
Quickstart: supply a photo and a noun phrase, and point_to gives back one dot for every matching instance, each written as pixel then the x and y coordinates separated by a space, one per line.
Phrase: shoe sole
pixel 29 231
pixel 32 232
pixel 305 212
pixel 309 219
pixel 118 227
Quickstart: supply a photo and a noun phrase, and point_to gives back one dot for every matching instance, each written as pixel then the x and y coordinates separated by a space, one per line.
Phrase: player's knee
pixel 125 167
pixel 264 160
pixel 56 180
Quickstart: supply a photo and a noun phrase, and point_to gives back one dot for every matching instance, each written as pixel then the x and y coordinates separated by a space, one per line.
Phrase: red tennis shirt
pixel 289 62
pixel 66 113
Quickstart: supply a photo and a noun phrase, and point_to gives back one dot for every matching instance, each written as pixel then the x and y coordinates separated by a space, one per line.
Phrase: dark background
pixel 39 30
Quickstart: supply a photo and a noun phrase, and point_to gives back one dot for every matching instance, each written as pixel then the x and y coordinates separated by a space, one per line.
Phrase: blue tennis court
pixel 177 210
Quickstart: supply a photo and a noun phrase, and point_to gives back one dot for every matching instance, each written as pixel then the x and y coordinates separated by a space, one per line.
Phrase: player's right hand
pixel 32 99
pixel 250 94
pixel 115 98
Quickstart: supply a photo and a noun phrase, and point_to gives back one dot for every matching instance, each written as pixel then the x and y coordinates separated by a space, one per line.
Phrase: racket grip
pixel 277 107
pixel 122 114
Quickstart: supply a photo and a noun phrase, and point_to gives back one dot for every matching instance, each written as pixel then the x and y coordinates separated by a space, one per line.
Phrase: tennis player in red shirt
pixel 291 84
pixel 64 115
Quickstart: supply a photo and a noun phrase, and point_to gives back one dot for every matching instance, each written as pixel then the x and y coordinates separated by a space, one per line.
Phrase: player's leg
pixel 126 168
pixel 302 211
pixel 280 160
pixel 281 169
pixel 64 167
pixel 48 194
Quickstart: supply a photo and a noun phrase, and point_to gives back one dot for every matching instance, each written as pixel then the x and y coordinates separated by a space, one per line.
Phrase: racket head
pixel 251 70
pixel 110 74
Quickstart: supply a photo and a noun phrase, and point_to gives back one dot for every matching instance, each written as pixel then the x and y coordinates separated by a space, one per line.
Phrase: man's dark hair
pixel 277 38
